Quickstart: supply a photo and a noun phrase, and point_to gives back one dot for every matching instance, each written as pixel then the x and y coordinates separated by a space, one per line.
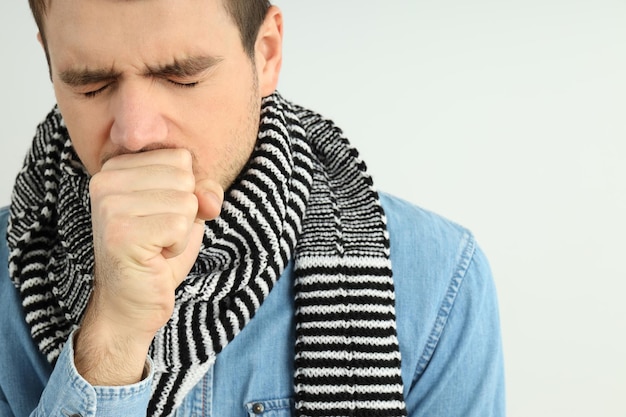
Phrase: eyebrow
pixel 187 67
pixel 80 77
pixel 181 68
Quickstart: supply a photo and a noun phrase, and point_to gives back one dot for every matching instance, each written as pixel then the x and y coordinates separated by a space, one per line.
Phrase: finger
pixel 178 157
pixel 182 261
pixel 148 177
pixel 145 203
pixel 144 240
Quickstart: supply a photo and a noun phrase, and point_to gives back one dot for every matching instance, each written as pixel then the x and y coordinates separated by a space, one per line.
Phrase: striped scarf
pixel 304 195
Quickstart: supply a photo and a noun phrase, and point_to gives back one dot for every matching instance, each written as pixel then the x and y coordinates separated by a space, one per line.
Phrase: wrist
pixel 110 358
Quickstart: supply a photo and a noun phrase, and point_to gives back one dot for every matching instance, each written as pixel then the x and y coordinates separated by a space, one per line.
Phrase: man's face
pixel 137 75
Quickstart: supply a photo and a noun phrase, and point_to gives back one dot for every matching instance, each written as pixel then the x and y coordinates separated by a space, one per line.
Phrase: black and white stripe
pixel 347 353
pixel 303 195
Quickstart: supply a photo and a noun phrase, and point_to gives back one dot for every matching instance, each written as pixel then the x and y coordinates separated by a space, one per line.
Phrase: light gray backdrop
pixel 505 116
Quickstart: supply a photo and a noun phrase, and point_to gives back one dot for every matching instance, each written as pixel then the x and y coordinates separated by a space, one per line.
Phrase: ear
pixel 268 51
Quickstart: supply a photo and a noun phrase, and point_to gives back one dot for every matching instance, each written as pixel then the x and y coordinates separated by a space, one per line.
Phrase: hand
pixel 148 213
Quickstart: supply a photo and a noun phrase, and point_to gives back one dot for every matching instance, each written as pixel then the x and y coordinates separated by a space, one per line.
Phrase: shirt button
pixel 258 408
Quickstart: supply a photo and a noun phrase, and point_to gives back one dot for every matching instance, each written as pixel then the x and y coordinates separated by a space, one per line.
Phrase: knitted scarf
pixel 304 195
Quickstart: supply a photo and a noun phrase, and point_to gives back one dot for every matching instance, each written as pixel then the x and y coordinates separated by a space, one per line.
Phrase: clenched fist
pixel 148 213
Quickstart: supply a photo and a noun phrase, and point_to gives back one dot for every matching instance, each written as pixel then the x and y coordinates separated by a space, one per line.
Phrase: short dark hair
pixel 248 15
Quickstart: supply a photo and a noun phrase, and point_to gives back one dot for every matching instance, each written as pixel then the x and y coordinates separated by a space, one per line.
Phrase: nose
pixel 138 120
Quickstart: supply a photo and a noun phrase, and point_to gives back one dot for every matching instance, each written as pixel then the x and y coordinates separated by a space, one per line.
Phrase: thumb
pixel 210 197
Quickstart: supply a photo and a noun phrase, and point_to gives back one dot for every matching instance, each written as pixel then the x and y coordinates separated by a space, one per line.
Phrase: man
pixel 182 240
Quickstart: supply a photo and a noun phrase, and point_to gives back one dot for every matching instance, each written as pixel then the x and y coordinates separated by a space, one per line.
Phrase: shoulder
pixel 430 257
pixel 410 218
pixel 424 240
pixel 446 315
pixel 429 254
pixel 4 250
pixel 433 260
pixel 4 218
pixel 7 289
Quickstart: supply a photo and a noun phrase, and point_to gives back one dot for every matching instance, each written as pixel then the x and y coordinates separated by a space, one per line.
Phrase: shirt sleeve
pixel 69 394
pixel 5 410
pixel 461 372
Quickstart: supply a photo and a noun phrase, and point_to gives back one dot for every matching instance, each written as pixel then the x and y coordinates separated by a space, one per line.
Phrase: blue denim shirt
pixel 448 330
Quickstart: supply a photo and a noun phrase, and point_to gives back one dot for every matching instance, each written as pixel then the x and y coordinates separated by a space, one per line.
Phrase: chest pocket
pixel 271 408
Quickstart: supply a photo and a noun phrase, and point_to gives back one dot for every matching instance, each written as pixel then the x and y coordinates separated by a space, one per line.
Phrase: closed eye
pixel 94 93
pixel 183 85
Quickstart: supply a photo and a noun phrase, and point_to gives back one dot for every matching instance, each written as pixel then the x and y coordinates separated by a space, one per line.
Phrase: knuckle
pixel 191 203
pixel 183 157
pixel 187 181
pixel 97 184
pixel 177 224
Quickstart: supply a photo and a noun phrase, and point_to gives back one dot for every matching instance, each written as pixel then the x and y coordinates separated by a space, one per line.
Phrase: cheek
pixel 211 121
pixel 225 137
pixel 87 131
pixel 86 151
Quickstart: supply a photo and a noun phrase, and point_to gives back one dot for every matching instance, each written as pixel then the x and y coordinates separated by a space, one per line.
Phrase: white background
pixel 505 116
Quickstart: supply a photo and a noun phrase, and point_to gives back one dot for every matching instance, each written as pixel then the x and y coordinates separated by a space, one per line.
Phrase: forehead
pixel 137 29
